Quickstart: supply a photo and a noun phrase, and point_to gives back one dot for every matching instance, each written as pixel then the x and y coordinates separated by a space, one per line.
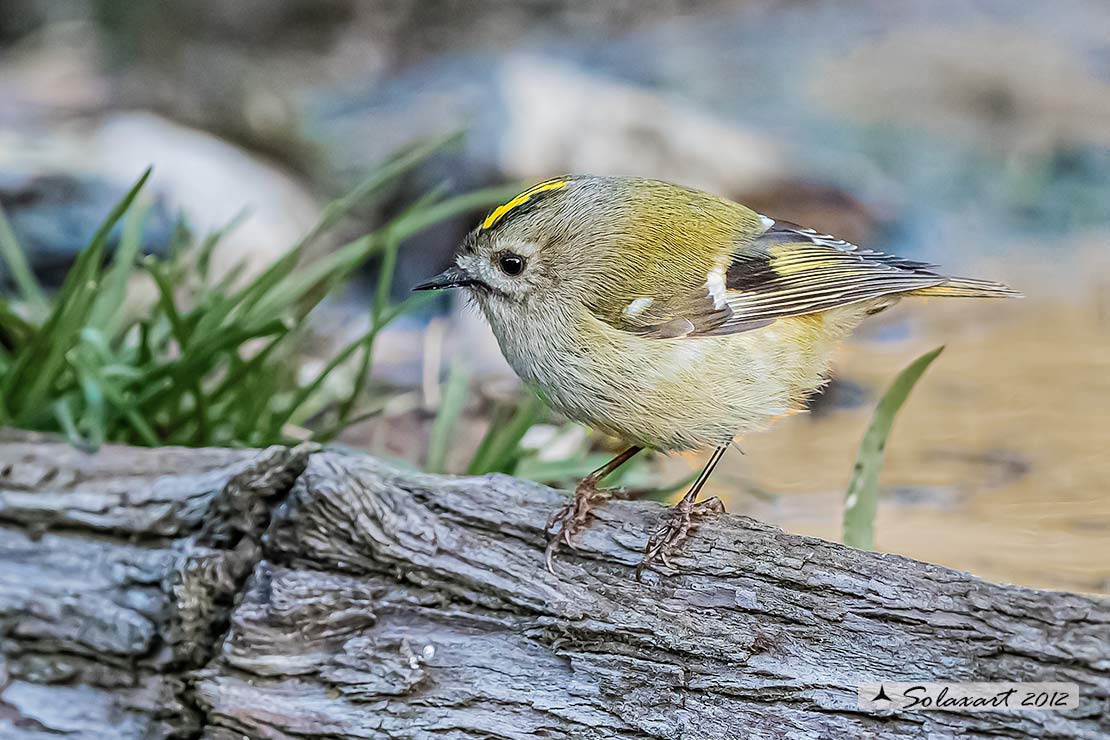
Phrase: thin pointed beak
pixel 452 277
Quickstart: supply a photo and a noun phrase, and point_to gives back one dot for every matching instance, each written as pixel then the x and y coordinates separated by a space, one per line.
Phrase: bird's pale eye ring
pixel 510 263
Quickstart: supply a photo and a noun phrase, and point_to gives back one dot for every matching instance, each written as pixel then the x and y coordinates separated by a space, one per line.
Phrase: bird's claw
pixel 676 527
pixel 566 538
pixel 571 519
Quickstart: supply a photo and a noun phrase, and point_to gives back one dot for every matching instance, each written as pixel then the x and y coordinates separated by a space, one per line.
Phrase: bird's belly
pixel 679 394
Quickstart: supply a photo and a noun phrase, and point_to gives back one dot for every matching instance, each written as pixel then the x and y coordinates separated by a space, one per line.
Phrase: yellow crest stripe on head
pixel 502 210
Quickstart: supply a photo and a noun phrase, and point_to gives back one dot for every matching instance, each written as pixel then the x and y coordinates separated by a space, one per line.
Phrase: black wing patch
pixel 791 271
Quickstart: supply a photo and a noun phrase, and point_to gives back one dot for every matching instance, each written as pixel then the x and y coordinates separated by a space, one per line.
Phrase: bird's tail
pixel 968 288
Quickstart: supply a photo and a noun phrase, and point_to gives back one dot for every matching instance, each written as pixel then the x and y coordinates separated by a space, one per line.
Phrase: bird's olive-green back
pixel 672 238
pixel 665 261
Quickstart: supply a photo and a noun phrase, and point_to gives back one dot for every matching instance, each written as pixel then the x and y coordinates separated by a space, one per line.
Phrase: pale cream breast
pixel 674 394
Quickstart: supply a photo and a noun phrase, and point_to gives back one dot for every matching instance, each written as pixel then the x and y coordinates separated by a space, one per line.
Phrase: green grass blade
pixel 266 283
pixel 364 343
pixel 498 419
pixel 862 498
pixel 307 391
pixel 203 260
pixel 14 330
pixel 43 359
pixel 561 472
pixel 316 278
pixel 381 302
pixel 96 417
pixel 500 449
pixel 22 275
pixel 166 301
pixel 207 347
pixel 388 266
pixel 64 415
pixel 181 334
pixel 385 175
pixel 308 285
pixel 107 311
pixel 447 416
pixel 320 278
pixel 107 397
pixel 327 434
pixel 418 219
pixel 238 373
pixel 122 403
pixel 362 374
pixel 89 262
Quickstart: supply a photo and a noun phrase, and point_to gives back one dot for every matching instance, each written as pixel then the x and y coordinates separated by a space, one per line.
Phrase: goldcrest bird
pixel 670 318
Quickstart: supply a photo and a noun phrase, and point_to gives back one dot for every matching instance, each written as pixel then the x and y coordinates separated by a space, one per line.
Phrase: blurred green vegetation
pixel 213 360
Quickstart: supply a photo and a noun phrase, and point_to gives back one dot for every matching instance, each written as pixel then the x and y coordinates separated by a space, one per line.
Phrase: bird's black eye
pixel 511 264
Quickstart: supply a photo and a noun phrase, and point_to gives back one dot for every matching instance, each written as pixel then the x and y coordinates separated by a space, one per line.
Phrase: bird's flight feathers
pixel 786 270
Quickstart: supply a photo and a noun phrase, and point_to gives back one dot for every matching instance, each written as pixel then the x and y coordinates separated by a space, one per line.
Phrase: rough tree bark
pixel 299 594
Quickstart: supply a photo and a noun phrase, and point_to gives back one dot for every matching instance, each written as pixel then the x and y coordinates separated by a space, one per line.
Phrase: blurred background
pixel 971 133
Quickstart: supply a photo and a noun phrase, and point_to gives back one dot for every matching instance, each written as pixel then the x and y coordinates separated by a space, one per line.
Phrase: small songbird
pixel 670 318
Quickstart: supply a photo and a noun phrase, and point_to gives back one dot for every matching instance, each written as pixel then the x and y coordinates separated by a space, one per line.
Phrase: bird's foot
pixel 676 527
pixel 572 518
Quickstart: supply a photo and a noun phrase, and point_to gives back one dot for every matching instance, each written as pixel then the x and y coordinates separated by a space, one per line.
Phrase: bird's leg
pixel 570 519
pixel 679 520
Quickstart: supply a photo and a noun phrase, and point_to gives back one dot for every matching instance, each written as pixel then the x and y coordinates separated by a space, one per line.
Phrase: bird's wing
pixel 790 271
pixel 786 270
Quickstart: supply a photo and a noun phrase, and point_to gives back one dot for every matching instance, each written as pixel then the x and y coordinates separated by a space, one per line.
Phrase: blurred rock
pixel 89 165
pixel 211 181
pixel 54 216
pixel 559 119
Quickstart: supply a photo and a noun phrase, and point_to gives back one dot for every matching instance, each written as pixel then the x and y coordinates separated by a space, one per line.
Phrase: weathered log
pixel 117 571
pixel 391 604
